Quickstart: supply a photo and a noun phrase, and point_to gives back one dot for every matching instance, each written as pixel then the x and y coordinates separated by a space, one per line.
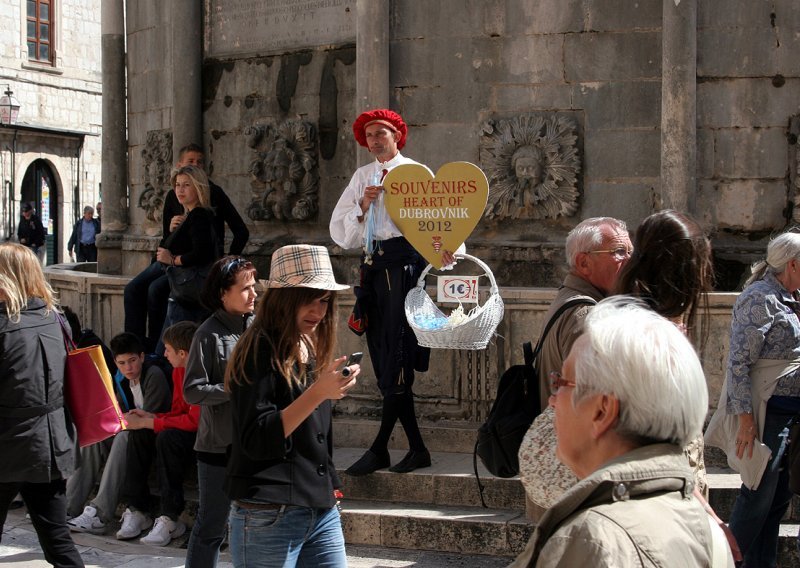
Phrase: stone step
pixel 452 436
pixel 463 530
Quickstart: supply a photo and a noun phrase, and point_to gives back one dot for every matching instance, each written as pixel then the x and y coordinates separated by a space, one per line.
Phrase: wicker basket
pixel 432 328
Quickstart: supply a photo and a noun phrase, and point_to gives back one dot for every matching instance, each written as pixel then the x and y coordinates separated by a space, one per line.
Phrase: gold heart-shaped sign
pixel 436 214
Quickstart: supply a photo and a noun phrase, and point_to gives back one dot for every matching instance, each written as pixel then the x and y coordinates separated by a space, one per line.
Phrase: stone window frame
pixel 53 33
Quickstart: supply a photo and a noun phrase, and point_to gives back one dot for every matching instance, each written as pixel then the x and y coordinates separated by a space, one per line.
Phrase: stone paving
pixel 20 549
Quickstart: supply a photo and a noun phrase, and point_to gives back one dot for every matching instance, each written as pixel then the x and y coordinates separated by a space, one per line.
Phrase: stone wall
pixel 458 68
pixel 459 386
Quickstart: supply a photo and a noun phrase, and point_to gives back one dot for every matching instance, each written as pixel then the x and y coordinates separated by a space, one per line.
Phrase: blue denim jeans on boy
pixel 286 537
pixel 756 515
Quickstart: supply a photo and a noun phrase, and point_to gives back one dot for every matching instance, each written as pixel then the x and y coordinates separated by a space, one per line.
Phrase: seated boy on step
pixel 169 438
pixel 138 385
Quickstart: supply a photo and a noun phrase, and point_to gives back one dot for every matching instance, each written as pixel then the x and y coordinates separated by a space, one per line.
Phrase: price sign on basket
pixel 463 289
pixel 436 213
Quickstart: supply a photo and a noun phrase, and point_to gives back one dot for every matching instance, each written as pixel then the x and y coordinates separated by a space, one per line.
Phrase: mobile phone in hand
pixel 354 359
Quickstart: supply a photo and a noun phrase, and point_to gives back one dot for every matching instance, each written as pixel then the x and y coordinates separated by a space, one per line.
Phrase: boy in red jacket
pixel 169 437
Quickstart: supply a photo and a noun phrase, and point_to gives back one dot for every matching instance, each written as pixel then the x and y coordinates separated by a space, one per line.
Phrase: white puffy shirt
pixel 345 229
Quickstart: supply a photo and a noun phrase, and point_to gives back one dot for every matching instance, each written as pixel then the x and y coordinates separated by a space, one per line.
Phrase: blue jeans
pixel 286 537
pixel 757 515
pixel 212 517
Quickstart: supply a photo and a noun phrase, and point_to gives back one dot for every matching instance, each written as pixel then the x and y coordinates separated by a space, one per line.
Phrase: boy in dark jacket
pixel 169 437
pixel 138 386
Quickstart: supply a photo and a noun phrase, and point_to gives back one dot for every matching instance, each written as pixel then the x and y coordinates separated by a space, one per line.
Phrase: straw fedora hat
pixel 302 266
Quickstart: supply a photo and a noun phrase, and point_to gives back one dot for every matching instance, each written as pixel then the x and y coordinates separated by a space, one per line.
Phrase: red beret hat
pixel 381 116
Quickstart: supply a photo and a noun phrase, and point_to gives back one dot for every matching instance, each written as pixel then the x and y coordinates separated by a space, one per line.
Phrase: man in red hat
pixel 390 267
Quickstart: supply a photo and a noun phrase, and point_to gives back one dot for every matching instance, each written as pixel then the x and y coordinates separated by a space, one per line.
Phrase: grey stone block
pixel 435 62
pixel 742 205
pixel 612 56
pixel 751 153
pixel 705 153
pixel 445 104
pixel 565 16
pixel 727 14
pixel 614 154
pixel 533 59
pixel 747 52
pixel 444 18
pixel 628 104
pixel 623 15
pixel 630 202
pixel 746 102
pixel 526 98
pixel 436 144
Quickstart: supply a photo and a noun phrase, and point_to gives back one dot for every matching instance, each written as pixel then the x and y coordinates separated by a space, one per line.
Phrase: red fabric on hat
pixel 382 116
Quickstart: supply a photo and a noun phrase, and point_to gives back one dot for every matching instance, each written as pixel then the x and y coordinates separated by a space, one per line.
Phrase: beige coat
pixel 637 510
pixel 565 331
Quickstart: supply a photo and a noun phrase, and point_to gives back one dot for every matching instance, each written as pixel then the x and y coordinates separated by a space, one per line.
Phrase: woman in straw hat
pixel 282 378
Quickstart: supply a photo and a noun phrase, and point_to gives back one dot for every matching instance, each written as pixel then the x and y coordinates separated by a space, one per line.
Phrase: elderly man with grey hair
pixel 596 249
pixel 630 395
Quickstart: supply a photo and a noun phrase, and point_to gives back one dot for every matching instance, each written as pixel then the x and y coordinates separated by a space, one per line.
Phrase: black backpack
pixel 516 405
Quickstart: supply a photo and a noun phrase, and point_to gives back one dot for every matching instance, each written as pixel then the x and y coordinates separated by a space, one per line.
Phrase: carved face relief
pixel 532 164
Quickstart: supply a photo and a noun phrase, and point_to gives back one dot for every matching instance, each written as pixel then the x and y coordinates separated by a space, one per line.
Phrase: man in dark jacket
pixel 30 230
pixel 83 236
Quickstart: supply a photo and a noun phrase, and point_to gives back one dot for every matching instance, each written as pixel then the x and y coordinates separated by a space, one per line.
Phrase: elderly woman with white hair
pixel 760 396
pixel 630 396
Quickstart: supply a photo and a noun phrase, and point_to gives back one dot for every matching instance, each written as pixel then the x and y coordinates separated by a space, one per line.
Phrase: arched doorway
pixel 40 190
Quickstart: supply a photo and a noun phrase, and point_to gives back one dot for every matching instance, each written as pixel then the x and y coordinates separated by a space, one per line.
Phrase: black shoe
pixel 369 463
pixel 413 460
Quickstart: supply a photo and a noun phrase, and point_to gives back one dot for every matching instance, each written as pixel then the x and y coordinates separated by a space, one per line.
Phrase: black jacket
pixel 37 437
pixel 224 212
pixel 194 240
pixel 264 465
pixel 32 231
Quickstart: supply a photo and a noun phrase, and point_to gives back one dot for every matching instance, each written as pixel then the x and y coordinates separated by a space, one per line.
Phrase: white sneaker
pixel 164 531
pixel 133 523
pixel 87 522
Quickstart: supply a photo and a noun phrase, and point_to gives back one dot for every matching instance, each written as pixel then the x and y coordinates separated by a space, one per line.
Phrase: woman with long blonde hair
pixel 282 377
pixel 36 433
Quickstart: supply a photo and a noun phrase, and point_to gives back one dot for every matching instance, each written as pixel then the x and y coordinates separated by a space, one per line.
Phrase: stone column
pixel 186 19
pixel 372 60
pixel 114 169
pixel 679 105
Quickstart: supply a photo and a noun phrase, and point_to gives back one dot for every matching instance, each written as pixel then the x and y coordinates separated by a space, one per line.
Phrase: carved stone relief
pixel 284 171
pixel 157 158
pixel 532 164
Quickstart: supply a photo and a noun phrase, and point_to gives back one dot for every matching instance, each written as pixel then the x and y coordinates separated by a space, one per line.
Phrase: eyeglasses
pixel 620 253
pixel 557 381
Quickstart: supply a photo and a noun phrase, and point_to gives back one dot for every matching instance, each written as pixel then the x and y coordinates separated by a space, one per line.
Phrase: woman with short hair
pixel 36 433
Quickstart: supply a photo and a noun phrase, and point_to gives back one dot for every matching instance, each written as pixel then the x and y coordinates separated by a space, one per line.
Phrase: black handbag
pixel 186 283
